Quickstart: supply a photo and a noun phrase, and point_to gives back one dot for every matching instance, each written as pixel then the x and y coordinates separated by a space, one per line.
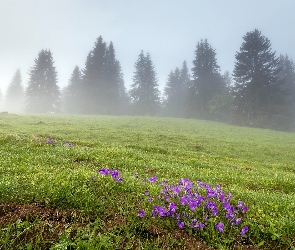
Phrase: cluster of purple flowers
pixel 50 141
pixel 192 204
pixel 53 143
pixel 113 173
pixel 69 145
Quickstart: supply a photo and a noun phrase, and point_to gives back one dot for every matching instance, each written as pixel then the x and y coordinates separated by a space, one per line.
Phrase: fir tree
pixel 93 78
pixel 207 80
pixel 71 93
pixel 1 101
pixel 175 92
pixel 14 99
pixel 114 90
pixel 258 95
pixel 144 90
pixel 103 84
pixel 42 93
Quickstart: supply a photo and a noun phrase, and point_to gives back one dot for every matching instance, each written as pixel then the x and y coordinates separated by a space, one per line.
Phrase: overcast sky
pixel 168 29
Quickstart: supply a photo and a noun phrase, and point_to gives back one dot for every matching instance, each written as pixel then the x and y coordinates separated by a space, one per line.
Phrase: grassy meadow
pixel 53 197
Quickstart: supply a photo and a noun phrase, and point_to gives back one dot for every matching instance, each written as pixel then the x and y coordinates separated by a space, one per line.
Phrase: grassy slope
pixel 255 165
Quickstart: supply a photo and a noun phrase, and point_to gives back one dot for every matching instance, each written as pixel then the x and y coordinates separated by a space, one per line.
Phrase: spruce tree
pixel 144 90
pixel 258 95
pixel 103 84
pixel 175 92
pixel 115 92
pixel 93 79
pixel 1 101
pixel 206 82
pixel 42 93
pixel 71 93
pixel 14 99
pixel 287 77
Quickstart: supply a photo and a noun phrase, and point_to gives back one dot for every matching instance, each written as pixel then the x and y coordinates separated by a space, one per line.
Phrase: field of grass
pixel 53 197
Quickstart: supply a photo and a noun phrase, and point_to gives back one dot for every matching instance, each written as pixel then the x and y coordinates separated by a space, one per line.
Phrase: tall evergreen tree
pixel 14 99
pixel 207 80
pixel 1 101
pixel 103 84
pixel 175 92
pixel 115 89
pixel 144 90
pixel 93 78
pixel 258 95
pixel 42 93
pixel 220 106
pixel 71 93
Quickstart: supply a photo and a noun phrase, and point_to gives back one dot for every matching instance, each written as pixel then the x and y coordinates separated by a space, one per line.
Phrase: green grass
pixel 255 165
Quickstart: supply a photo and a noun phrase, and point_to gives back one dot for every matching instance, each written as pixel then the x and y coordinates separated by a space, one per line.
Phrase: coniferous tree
pixel 115 90
pixel 220 106
pixel 103 84
pixel 175 92
pixel 1 101
pixel 144 90
pixel 206 82
pixel 71 93
pixel 93 78
pixel 14 99
pixel 287 76
pixel 258 95
pixel 42 93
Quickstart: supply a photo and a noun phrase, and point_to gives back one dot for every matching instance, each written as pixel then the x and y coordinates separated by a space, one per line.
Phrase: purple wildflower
pixel 147 193
pixel 153 179
pixel 244 209
pixel 141 213
pixel 135 175
pixel 160 210
pixel 172 207
pixel 244 230
pixel 114 173
pixel 220 227
pixel 150 199
pixel 118 179
pixel 180 224
pixel 103 171
pixel 236 222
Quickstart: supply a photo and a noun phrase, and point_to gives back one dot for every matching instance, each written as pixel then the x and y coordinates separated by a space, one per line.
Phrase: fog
pixel 168 30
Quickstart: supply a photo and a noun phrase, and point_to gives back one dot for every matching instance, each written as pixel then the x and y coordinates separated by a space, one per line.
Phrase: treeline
pixel 259 92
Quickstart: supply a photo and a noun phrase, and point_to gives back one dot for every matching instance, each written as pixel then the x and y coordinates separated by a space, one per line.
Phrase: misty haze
pixel 147 124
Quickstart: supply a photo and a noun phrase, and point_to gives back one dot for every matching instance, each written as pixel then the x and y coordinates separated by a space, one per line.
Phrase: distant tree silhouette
pixel 259 98
pixel 144 90
pixel 42 93
pixel 1 101
pixel 103 84
pixel 175 92
pixel 14 99
pixel 220 106
pixel 206 82
pixel 71 93
pixel 287 77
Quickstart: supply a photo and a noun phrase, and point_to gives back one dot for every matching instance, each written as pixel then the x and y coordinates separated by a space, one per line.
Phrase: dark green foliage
pixel 71 93
pixel 259 98
pixel 287 76
pixel 144 90
pixel 14 99
pixel 176 92
pixel 42 93
pixel 207 81
pixel 103 84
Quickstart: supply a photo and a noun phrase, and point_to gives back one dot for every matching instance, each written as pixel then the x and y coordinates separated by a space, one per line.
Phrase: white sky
pixel 168 29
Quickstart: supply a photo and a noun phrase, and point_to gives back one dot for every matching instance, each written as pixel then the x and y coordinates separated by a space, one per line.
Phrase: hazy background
pixel 168 29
